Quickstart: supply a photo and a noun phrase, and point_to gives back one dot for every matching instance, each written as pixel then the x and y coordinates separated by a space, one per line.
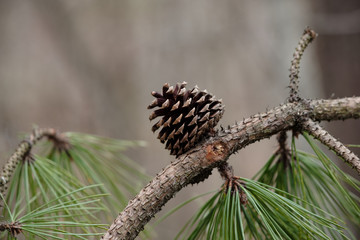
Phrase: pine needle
pixel 267 215
pixel 53 220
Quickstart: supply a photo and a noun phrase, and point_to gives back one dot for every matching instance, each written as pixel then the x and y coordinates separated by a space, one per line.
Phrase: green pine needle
pixel 303 196
pixel 95 159
pixel 54 219
pixel 267 215
pixel 316 180
pixel 178 207
pixel 90 160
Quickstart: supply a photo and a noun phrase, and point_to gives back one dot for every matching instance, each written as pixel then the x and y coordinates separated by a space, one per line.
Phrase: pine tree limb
pixel 338 109
pixel 332 143
pixel 215 151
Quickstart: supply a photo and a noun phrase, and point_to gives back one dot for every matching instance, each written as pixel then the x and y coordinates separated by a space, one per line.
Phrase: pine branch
pixel 339 109
pixel 196 164
pixel 23 152
pixel 340 149
pixel 308 36
pixel 215 151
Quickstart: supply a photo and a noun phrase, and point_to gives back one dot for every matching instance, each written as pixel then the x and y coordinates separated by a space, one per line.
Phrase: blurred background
pixel 89 66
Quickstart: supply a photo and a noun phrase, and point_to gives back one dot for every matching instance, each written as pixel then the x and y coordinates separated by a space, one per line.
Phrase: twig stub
pixel 14 228
pixel 216 151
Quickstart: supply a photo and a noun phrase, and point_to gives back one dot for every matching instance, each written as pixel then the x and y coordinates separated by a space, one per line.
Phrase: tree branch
pixel 23 151
pixel 215 151
pixel 340 149
pixel 339 109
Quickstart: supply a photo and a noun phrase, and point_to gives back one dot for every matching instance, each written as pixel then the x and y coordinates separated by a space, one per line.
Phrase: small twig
pixel 226 171
pixel 308 36
pixel 22 153
pixel 340 149
pixel 60 142
pixel 14 228
pixel 283 151
pixel 281 138
pixel 232 182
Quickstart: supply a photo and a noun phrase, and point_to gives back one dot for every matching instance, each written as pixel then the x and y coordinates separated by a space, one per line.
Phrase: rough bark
pixel 216 150
pixel 308 36
pixel 340 149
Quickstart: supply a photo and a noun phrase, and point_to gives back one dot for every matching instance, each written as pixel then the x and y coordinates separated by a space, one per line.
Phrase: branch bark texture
pixel 340 149
pixel 196 164
pixel 308 36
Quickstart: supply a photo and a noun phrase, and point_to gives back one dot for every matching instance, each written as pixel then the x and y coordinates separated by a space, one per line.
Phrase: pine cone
pixel 187 116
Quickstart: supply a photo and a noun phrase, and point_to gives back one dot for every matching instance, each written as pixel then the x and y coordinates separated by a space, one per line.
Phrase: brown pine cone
pixel 187 116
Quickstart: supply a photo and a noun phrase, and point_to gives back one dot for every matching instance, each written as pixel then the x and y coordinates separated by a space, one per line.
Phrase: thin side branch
pixel 281 138
pixel 308 36
pixel 340 149
pixel 283 151
pixel 13 228
pixel 226 171
pixel 215 151
pixel 23 152
pixel 232 182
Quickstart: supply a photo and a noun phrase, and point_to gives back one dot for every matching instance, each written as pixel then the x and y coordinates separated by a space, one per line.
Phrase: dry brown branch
pixel 340 149
pixel 215 151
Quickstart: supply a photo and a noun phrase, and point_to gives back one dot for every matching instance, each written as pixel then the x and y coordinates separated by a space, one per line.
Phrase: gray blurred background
pixel 89 66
